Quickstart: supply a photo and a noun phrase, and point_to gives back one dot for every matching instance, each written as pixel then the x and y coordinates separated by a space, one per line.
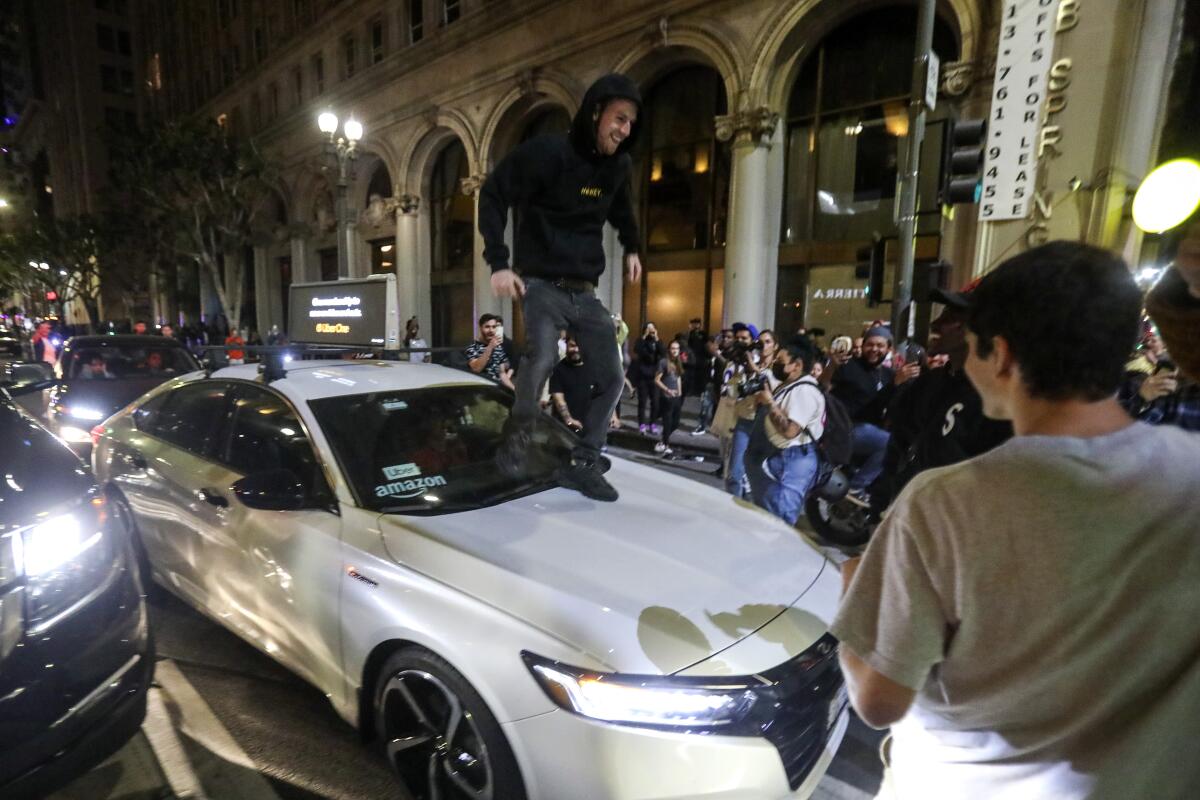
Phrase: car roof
pixel 310 380
pixel 121 339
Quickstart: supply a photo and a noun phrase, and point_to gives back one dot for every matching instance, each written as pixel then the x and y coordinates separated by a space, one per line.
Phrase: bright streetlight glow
pixel 354 129
pixel 3 203
pixel 327 122
pixel 1168 195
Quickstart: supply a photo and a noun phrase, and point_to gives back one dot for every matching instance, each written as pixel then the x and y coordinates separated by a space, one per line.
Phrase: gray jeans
pixel 548 310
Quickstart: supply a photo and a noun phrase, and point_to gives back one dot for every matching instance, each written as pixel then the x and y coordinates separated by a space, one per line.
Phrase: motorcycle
pixel 836 518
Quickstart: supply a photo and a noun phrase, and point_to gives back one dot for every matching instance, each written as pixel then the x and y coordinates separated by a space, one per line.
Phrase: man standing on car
pixel 566 188
pixel 1036 602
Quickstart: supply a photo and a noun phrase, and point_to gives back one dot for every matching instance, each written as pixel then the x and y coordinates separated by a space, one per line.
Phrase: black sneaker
pixel 512 455
pixel 585 478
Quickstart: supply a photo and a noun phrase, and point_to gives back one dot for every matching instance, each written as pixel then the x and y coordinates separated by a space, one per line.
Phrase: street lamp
pixel 340 150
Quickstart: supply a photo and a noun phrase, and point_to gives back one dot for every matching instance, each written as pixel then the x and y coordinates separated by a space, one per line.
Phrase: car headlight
pixel 66 560
pixel 84 412
pixel 692 703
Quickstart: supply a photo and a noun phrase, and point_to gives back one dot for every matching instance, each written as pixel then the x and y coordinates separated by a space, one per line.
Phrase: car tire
pixel 437 733
pixel 120 509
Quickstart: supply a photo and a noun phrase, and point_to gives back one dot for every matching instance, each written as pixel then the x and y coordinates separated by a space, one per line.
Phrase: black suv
pixel 75 652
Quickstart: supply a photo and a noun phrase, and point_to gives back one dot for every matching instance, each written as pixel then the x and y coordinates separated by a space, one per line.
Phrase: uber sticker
pixel 398 471
pixel 403 489
pixel 394 405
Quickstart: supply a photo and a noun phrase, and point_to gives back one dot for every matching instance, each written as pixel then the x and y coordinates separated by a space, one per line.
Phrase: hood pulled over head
pixel 583 127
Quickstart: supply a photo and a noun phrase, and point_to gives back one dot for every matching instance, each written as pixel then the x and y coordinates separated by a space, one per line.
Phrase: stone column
pixel 408 259
pixel 485 301
pixel 751 259
pixel 265 293
pixel 612 281
pixel 303 264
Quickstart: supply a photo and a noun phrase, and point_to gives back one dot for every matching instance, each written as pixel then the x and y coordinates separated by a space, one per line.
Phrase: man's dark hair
pixel 486 318
pixel 1070 313
pixel 800 348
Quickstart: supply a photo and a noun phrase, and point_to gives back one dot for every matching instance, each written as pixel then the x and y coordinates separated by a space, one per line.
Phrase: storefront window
pixel 853 93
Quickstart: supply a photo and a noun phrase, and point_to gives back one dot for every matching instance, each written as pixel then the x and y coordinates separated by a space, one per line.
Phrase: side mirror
pixel 273 490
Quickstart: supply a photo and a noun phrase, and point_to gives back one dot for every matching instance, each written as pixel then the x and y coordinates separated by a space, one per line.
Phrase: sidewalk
pixel 682 441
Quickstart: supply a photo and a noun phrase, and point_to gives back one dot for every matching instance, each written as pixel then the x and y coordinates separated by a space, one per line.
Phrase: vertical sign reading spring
pixel 1018 97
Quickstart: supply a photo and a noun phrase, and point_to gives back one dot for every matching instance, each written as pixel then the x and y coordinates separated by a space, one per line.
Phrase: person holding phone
pixel 486 355
pixel 1164 397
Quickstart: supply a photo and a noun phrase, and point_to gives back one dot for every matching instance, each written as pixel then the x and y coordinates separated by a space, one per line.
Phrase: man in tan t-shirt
pixel 1025 620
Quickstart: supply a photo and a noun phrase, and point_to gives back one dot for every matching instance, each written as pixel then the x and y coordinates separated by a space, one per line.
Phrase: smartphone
pixel 499 331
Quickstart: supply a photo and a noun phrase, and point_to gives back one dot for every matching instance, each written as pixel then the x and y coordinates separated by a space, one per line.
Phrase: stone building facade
pixel 774 135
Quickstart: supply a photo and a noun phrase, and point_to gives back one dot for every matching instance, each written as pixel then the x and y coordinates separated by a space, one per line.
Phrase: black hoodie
pixel 565 190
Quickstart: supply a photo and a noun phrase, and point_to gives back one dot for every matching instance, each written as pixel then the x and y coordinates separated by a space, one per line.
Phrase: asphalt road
pixel 227 723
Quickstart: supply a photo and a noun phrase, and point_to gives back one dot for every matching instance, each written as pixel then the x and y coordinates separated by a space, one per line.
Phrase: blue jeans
pixel 781 484
pixel 735 477
pixel 870 446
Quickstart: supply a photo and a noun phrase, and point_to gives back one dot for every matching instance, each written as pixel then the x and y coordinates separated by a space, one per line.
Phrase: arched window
pixel 847 119
pixel 452 220
pixel 682 190
pixel 380 186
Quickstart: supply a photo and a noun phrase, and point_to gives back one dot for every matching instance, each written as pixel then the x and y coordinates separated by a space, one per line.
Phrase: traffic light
pixel 869 264
pixel 962 170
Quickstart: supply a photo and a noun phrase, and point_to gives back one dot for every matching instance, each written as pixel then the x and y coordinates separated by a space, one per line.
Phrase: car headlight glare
pixel 84 412
pixel 65 560
pixel 647 700
pixel 73 435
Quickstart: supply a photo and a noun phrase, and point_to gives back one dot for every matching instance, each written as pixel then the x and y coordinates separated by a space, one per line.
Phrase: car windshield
pixel 111 362
pixel 430 450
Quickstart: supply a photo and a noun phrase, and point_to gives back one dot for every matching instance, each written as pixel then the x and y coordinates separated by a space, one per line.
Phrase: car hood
pixel 105 396
pixel 669 575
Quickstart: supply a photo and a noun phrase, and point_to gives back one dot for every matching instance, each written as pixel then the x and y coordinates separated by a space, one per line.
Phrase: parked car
pixel 11 348
pixel 497 637
pixel 100 374
pixel 75 652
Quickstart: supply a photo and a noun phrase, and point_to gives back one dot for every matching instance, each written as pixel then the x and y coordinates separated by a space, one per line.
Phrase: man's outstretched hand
pixel 506 283
pixel 633 267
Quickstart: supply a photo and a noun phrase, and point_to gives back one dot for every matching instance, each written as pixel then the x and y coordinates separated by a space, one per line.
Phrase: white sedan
pixel 499 639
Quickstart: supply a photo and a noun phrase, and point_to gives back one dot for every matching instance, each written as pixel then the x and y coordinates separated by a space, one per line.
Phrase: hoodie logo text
pixel 591 191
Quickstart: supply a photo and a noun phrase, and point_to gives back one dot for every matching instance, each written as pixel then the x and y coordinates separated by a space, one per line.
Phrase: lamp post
pixel 340 150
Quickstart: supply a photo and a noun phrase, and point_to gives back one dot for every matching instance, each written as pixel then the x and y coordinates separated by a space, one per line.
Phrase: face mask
pixel 778 370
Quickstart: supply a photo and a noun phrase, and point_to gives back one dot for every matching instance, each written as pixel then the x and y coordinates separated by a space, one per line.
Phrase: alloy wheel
pixel 432 741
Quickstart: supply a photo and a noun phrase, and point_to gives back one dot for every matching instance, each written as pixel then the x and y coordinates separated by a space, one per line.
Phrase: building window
pixel 349 55
pixel 272 101
pixel 105 39
pixel 377 41
pixel 318 71
pixel 108 79
pixel 260 46
pixel 127 82
pixel 256 116
pixel 452 230
pixel 237 59
pixel 416 20
pixel 451 11
pixel 297 86
pixel 124 47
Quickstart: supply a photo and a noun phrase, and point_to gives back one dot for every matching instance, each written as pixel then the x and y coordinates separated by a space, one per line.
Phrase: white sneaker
pixel 659 447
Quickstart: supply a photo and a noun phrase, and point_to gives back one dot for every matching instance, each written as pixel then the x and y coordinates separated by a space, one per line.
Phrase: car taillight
pixel 97 434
